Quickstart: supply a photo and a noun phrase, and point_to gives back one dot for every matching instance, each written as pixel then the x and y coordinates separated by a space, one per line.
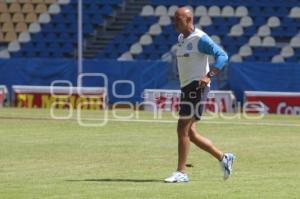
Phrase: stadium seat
pixel 10 36
pixel 295 12
pixel 27 8
pixel 147 11
pixel 200 11
pixel 34 28
pixel 3 7
pixel 21 1
pixel 126 56
pixel 146 39
pixel 164 20
pixel 241 11
pixel 216 39
pixel 205 21
pixel 41 8
pixel 273 22
pixel 172 9
pixel 264 31
pixel 250 58
pixel 4 54
pixel 5 17
pixel 7 27
pixel 24 37
pixel 155 29
pixel 15 8
pixel 54 9
pixel 287 51
pixel 277 59
pixel 1 36
pixel 31 17
pixel 14 46
pixel 236 30
pixel 37 1
pixel 295 41
pixel 44 18
pixel 245 51
pixel 255 41
pixel 18 17
pixel 236 58
pixel 64 1
pixel 227 11
pixel 246 21
pixel 292 59
pixel 214 11
pixel 21 27
pixel 160 11
pixel 49 2
pixel 268 42
pixel 136 49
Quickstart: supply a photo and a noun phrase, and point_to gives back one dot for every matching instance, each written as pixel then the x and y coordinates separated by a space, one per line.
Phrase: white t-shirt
pixel 192 56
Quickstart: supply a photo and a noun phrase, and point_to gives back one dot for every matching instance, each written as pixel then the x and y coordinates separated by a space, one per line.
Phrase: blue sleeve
pixel 208 46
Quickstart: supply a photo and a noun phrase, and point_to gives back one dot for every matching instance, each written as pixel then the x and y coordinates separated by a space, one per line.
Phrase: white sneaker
pixel 226 165
pixel 177 177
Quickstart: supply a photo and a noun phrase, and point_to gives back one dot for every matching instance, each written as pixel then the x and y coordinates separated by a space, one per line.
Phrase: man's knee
pixel 193 133
pixel 183 127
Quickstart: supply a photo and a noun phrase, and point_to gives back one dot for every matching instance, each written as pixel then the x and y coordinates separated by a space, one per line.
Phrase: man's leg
pixel 183 128
pixel 203 143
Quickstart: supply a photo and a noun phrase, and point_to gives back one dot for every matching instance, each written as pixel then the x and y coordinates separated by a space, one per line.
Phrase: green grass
pixel 44 158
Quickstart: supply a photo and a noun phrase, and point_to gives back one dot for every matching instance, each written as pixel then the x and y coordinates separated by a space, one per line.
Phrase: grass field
pixel 41 158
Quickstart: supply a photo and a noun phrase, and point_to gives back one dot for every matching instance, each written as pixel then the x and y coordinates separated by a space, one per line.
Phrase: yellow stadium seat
pixel 5 17
pixel 21 27
pixel 24 1
pixel 18 17
pixel 15 7
pixel 7 27
pixel 50 1
pixel 1 37
pixel 37 1
pixel 27 8
pixel 41 8
pixel 30 17
pixel 10 36
pixel 3 7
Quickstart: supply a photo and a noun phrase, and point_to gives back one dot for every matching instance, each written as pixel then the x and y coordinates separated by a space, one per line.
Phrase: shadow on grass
pixel 117 180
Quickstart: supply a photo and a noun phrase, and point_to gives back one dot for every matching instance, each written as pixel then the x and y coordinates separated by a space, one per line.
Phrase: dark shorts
pixel 192 100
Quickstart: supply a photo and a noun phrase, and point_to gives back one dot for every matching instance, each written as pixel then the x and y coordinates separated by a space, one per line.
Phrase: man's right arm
pixel 207 46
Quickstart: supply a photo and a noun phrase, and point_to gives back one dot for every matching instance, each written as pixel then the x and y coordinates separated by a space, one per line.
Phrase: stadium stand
pixel 48 28
pixel 248 30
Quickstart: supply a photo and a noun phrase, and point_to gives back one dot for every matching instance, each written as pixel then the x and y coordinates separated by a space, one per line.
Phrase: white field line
pixel 256 123
pixel 236 122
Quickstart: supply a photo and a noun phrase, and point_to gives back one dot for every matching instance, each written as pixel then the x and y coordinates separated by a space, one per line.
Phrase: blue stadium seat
pixel 292 59
pixel 59 37
pixel 250 58
pixel 107 10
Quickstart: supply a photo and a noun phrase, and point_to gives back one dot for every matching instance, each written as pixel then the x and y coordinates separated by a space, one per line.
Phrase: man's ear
pixel 188 19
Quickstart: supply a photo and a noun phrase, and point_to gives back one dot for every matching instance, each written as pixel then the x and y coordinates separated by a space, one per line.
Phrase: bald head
pixel 184 11
pixel 183 20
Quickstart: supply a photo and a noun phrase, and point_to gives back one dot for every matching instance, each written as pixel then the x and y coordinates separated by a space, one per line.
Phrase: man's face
pixel 181 22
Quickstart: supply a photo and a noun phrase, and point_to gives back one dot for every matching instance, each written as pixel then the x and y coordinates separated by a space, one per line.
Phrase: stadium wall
pixel 256 76
pixel 42 72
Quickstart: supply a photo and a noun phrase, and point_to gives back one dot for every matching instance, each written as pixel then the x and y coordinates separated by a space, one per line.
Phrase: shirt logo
pixel 184 55
pixel 189 46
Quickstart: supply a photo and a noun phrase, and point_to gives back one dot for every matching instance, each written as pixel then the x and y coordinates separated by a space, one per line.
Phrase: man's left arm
pixel 208 46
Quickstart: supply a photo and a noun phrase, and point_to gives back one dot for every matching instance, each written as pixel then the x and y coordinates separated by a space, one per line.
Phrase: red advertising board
pixel 168 100
pixel 273 102
pixel 3 94
pixel 59 97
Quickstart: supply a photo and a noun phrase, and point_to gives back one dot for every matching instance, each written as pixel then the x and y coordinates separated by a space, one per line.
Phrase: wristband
pixel 210 74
